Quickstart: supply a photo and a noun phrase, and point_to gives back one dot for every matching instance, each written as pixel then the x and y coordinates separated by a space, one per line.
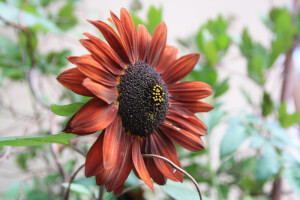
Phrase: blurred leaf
pixel 154 16
pixel 255 69
pixel 293 177
pixel 13 191
pixel 136 19
pixel 180 191
pixel 246 44
pixel 267 104
pixel 210 52
pixel 235 135
pixel 205 74
pixel 66 110
pixel 268 163
pixel 278 136
pixel 221 88
pixel 257 141
pixel 214 118
pixel 247 96
pixel 66 18
pixel 62 138
pixel 222 42
pixel 80 189
pixel 286 120
pixel 11 14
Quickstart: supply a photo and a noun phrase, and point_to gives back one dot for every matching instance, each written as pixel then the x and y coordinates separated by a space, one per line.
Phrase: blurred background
pixel 250 55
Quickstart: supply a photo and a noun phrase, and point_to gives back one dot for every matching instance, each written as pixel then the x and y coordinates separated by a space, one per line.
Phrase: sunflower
pixel 138 102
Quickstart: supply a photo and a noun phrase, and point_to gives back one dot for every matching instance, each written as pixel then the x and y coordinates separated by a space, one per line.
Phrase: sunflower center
pixel 143 99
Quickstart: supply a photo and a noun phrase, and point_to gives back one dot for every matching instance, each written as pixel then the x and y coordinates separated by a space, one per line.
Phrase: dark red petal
pixel 182 137
pixel 91 68
pixel 106 93
pixel 124 166
pixel 192 123
pixel 103 177
pixel 112 143
pixel 144 39
pixel 95 115
pixel 103 54
pixel 154 172
pixel 94 158
pixel 126 40
pixel 139 164
pixel 128 24
pixel 162 145
pixel 180 68
pixel 72 79
pixel 193 106
pixel 157 45
pixel 112 38
pixel 119 190
pixel 167 58
pixel 189 90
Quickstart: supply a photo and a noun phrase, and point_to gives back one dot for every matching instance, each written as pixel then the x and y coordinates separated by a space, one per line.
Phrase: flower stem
pixel 71 180
pixel 178 168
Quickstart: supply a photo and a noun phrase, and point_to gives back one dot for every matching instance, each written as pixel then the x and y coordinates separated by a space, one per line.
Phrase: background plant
pixel 258 155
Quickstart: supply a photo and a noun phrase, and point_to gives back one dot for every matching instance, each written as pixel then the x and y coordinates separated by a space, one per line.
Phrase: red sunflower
pixel 138 102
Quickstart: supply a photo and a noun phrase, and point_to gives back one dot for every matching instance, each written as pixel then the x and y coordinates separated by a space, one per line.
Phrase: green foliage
pixel 66 18
pixel 286 120
pixel 235 135
pixel 66 110
pixel 80 189
pixel 180 191
pixel 268 163
pixel 154 17
pixel 63 138
pixel 267 104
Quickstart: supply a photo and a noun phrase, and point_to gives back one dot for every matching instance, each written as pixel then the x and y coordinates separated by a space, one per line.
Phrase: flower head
pixel 138 102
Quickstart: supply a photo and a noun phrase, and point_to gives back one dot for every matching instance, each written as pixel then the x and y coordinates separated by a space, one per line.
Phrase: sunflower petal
pixel 93 116
pixel 92 69
pixel 139 164
pixel 153 170
pixel 103 52
pixel 112 143
pixel 193 106
pixel 94 158
pixel 128 24
pixel 182 137
pixel 72 79
pixel 157 45
pixel 162 145
pixel 144 39
pixel 189 90
pixel 179 111
pixel 167 58
pixel 124 166
pixel 126 40
pixel 112 38
pixel 180 68
pixel 107 94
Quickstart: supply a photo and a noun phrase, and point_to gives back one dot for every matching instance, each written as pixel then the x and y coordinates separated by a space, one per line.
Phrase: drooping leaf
pixel 66 110
pixel 267 104
pixel 62 138
pixel 293 177
pixel 221 88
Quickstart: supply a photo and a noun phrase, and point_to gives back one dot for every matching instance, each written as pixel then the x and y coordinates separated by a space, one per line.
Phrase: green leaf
pixel 154 18
pixel 80 189
pixel 210 52
pixel 221 88
pixel 13 191
pixel 267 104
pixel 66 18
pixel 11 13
pixel 246 44
pixel 214 118
pixel 66 110
pixel 286 120
pixel 268 163
pixel 235 135
pixel 293 177
pixel 63 138
pixel 278 136
pixel 180 191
